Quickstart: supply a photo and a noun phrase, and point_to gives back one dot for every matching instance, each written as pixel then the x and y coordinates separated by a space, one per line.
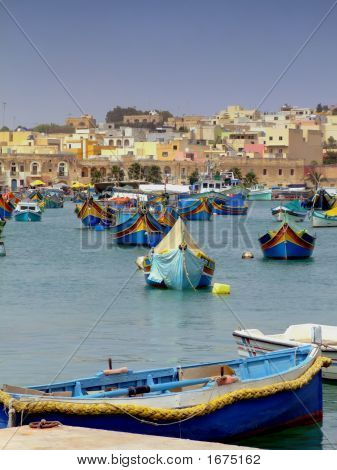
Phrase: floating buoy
pixel 140 261
pixel 247 255
pixel 221 288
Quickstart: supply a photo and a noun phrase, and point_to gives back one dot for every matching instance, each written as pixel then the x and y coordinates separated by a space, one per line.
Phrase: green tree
pixel 325 108
pixel 194 177
pixel 53 128
pixel 4 129
pixel 332 143
pixel 96 176
pixel 117 173
pixel 154 174
pixel 135 171
pixel 237 172
pixel 250 179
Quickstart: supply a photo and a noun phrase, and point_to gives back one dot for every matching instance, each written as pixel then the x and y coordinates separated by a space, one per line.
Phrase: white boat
pixel 259 193
pixel 324 219
pixel 254 342
pixel 224 182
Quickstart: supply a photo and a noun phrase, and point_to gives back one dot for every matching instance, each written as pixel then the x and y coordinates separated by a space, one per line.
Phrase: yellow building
pixel 146 149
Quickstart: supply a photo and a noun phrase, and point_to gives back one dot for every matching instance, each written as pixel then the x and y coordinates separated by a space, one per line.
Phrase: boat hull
pixel 243 418
pixel 319 219
pixel 28 216
pixel 286 244
pixel 256 346
pixel 259 196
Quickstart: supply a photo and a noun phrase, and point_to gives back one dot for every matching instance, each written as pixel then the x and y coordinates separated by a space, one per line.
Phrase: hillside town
pixel 273 148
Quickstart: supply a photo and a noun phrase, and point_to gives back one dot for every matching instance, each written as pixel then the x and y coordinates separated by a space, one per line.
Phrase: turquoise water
pixel 58 279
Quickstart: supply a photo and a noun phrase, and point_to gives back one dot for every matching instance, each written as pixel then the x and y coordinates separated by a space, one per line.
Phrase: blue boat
pixel 27 212
pixel 140 229
pixel 196 209
pixel 168 218
pixel 177 262
pixel 6 208
pixel 293 209
pixel 212 401
pixel 287 243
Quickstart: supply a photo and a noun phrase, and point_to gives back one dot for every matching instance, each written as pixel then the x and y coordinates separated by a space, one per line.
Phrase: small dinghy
pixel 28 212
pixel 293 209
pixel 212 401
pixel 254 342
pixel 177 262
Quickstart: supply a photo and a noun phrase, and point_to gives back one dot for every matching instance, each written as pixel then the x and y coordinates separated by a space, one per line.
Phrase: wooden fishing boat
pixel 93 214
pixel 212 401
pixel 293 209
pixel 168 218
pixel 54 199
pixel 177 262
pixel 6 208
pixel 27 211
pixel 2 225
pixel 324 219
pixel 287 243
pixel 231 205
pixel 254 342
pixel 198 209
pixel 139 229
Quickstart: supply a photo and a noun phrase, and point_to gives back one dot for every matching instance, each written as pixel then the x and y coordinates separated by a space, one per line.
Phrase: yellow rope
pixel 164 414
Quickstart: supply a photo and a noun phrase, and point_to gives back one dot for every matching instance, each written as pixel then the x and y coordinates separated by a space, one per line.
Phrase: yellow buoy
pixel 221 288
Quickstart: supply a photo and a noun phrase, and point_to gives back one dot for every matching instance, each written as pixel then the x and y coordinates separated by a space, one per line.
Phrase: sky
pixel 186 56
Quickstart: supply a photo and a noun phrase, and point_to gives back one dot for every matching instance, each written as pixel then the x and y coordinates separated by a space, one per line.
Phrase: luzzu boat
pixel 287 243
pixel 198 209
pixel 139 229
pixel 168 218
pixel 212 401
pixel 27 211
pixel 93 215
pixel 324 219
pixel 177 262
pixel 6 208
pixel 253 342
pixel 294 210
pixel 231 205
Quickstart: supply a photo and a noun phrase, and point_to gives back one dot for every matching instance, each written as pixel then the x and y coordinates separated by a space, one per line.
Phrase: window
pixel 264 171
pixel 22 182
pixel 175 147
pixel 13 168
pixel 204 185
pixel 211 185
pixel 270 137
pixel 280 172
pixel 164 154
pixel 280 138
pixel 62 169
pixel 126 142
pixel 22 168
pixel 35 168
pixel 118 142
pixel 218 185
pixel 292 172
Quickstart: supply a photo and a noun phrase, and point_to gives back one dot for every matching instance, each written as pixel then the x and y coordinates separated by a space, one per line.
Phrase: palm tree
pixel 135 171
pixel 250 179
pixel 154 174
pixel 96 176
pixel 117 173
pixel 236 172
pixel 315 178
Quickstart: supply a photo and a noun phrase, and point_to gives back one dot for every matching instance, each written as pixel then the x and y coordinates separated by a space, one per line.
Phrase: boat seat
pixel 29 391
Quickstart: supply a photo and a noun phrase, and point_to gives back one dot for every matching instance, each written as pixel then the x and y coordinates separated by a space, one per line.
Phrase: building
pixel 86 121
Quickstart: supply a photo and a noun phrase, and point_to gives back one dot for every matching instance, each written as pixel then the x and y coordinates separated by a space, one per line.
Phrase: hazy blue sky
pixel 188 56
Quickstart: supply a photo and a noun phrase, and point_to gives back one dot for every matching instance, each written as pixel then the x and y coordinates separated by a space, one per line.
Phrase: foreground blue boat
pixel 213 401
pixel 195 209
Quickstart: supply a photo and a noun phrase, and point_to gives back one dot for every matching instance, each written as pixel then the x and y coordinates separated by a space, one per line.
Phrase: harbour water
pixel 70 299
